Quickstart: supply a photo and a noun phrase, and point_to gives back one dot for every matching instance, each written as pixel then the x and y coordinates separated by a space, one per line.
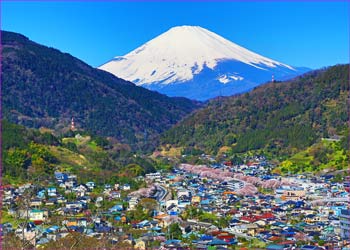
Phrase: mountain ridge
pixel 42 86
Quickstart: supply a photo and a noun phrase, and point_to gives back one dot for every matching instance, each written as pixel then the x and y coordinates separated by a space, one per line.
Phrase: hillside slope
pixel 278 117
pixel 42 86
pixel 31 154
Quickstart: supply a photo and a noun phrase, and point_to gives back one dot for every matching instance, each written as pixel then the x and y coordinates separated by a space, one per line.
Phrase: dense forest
pixel 43 87
pixel 30 154
pixel 280 118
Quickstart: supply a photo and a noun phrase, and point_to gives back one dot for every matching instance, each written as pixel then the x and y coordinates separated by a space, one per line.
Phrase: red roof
pixel 254 218
pixel 214 233
pixel 38 222
pixel 225 237
pixel 228 163
pixel 249 218
pixel 266 216
pixel 287 242
pixel 232 212
pixel 252 164
pixel 274 238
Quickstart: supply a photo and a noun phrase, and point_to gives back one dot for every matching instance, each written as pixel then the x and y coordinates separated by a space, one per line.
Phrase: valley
pixel 90 159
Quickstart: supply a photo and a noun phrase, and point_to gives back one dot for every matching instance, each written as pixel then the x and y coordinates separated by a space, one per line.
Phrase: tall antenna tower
pixel 72 125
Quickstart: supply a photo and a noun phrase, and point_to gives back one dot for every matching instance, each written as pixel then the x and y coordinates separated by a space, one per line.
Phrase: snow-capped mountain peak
pixel 178 54
pixel 184 53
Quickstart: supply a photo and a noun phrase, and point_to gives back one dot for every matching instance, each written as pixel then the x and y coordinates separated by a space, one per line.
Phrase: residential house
pixel 114 195
pixel 90 185
pixel 293 194
pixel 37 215
pixel 140 244
pixel 116 208
pixel 133 202
pixel 80 190
pixel 345 224
pixel 77 222
pixel 249 229
pixel 61 177
pixel 51 191
pixel 51 201
pixel 35 202
pixel 126 187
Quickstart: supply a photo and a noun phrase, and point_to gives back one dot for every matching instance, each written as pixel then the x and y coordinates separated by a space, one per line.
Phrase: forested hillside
pixel 30 154
pixel 280 117
pixel 43 87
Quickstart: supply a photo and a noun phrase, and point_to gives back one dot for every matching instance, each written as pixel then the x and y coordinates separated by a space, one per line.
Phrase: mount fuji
pixel 193 62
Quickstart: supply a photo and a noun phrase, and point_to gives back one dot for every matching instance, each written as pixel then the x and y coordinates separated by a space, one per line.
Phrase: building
pixel 293 195
pixel 345 224
pixel 36 215
pixel 133 202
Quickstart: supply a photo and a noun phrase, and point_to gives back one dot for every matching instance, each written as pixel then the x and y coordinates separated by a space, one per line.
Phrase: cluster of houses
pixel 308 213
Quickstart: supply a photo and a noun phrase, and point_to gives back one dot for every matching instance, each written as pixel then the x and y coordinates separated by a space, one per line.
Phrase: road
pixel 161 193
pixel 333 199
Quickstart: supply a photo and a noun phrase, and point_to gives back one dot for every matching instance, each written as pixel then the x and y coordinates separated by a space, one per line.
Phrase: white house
pixel 37 215
pixel 52 191
pixel 126 187
pixel 133 202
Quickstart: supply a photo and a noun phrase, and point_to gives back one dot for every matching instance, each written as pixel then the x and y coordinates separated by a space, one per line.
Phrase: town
pixel 214 206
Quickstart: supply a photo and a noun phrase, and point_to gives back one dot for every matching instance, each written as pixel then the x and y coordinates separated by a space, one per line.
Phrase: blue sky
pixel 311 34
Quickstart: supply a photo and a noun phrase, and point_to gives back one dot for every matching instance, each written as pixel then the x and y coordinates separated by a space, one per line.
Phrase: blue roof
pixel 61 175
pixel 310 247
pixel 116 208
pixel 169 242
pixel 274 247
pixel 217 242
pixel 233 241
pixel 143 223
pixel 205 202
pixel 103 229
pixel 43 241
pixel 287 232
pixel 279 224
pixel 206 237
pixel 234 220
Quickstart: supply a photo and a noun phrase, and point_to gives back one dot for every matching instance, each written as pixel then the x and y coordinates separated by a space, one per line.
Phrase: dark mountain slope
pixel 42 86
pixel 278 117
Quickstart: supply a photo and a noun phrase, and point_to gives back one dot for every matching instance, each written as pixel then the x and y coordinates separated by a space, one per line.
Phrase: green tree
pixel 208 217
pixel 137 214
pixel 148 204
pixel 133 170
pixel 71 146
pixel 175 231
pixel 16 161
